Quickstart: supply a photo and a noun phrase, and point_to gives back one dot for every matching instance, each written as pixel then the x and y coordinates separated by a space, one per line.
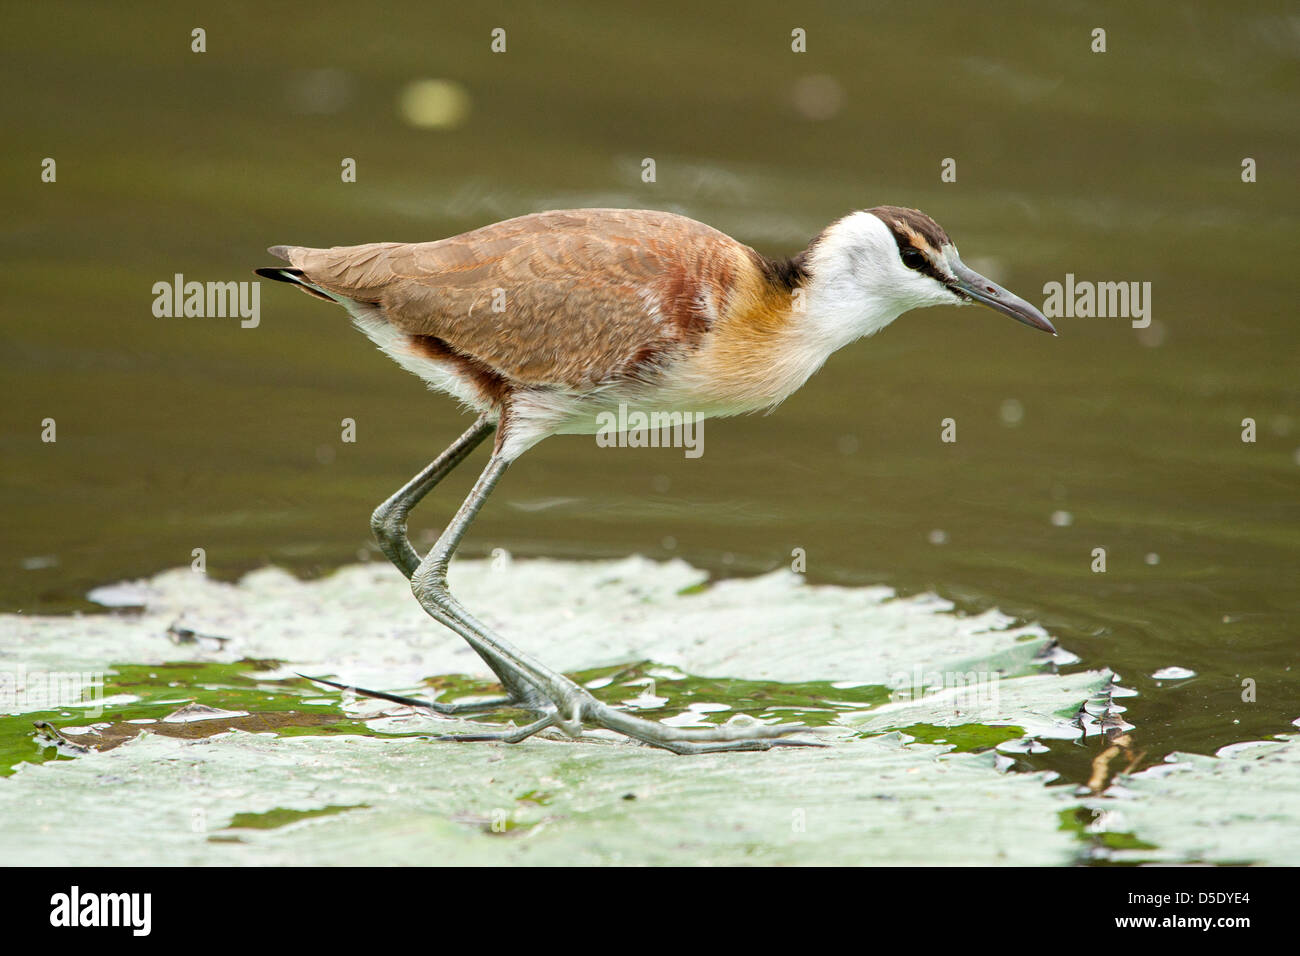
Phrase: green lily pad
pixel 207 726
pixel 1238 806
pixel 860 801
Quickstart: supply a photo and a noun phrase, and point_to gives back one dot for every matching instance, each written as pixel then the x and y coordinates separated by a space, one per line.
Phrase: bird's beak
pixel 971 283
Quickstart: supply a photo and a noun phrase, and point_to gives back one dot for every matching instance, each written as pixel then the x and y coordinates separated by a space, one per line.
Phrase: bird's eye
pixel 913 258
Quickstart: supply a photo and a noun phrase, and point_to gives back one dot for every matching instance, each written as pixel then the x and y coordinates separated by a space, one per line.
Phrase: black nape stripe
pixel 788 273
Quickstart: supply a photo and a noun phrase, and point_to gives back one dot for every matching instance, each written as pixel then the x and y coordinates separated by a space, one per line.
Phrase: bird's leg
pixel 429 582
pixel 560 701
pixel 388 524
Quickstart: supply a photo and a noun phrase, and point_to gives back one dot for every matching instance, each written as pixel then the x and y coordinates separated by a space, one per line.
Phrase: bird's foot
pixel 751 735
pixel 575 708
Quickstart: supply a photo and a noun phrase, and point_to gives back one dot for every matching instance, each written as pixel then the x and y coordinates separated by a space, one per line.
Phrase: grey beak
pixel 971 283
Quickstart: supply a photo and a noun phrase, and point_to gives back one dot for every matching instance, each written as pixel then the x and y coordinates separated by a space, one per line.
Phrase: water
pixel 176 434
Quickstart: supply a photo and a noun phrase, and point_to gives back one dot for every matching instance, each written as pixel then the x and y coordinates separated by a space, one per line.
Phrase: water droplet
pixel 1012 412
pixel 434 104
pixel 817 97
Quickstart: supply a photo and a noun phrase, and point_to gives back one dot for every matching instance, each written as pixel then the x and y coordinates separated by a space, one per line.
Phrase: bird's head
pixel 871 266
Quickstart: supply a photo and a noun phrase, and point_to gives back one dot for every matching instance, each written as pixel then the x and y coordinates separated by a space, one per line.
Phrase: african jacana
pixel 542 323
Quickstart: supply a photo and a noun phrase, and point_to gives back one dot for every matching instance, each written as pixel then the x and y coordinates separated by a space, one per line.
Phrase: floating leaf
pixel 860 662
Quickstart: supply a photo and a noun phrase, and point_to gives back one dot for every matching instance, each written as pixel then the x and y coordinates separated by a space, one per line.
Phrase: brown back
pixel 590 296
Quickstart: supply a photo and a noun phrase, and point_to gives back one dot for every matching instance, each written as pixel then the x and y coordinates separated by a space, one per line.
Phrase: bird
pixel 541 323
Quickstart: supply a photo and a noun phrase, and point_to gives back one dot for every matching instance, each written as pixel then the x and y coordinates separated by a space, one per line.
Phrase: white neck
pixel 853 290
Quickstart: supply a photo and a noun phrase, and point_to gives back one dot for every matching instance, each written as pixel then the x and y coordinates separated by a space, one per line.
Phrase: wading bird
pixel 544 322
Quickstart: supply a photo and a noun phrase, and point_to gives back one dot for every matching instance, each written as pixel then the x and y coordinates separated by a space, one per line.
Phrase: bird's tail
pixel 293 276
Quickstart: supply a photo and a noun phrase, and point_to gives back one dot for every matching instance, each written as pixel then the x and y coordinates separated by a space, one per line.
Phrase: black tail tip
pixel 280 274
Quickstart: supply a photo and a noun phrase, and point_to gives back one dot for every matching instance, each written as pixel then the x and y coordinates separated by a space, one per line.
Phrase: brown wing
pixel 575 298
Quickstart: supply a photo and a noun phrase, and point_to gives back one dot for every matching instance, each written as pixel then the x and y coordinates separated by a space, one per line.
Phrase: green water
pixel 175 434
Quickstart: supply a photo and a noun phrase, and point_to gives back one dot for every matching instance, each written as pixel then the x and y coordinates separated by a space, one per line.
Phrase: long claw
pixel 446 710
pixel 381 695
pixel 504 736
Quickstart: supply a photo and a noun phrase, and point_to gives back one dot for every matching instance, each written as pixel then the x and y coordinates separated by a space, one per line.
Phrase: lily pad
pixel 1238 806
pixel 860 801
pixel 354 779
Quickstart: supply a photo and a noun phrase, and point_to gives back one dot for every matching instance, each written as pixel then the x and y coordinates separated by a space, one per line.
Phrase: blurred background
pixel 180 433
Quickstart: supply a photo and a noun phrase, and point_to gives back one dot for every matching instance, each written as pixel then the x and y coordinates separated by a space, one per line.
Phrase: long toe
pixel 512 736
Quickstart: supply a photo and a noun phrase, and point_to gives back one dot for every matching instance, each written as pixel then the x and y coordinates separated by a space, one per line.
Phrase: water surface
pixel 176 434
